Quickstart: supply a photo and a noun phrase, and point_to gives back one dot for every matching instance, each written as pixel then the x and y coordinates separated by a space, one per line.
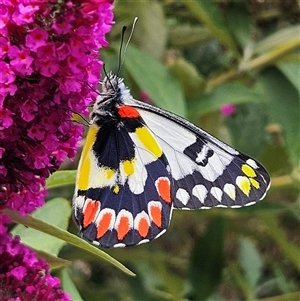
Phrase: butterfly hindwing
pixel 126 199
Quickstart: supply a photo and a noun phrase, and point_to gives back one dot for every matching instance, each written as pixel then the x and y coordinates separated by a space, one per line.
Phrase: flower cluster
pixel 49 67
pixel 49 62
pixel 23 276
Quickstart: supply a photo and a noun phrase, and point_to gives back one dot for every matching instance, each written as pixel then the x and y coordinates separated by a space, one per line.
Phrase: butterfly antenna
pixel 121 58
pixel 120 49
pixel 108 78
pixel 80 115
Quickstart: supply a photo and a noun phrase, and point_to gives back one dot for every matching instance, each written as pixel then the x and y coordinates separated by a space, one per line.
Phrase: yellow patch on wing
pixel 116 189
pixel 248 171
pixel 148 141
pixel 254 183
pixel 109 173
pixel 102 176
pixel 84 169
pixel 244 184
pixel 128 167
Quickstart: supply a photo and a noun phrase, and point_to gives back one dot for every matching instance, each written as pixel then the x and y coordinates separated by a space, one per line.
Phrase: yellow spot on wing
pixel 128 167
pixel 109 173
pixel 116 189
pixel 244 184
pixel 84 169
pixel 255 183
pixel 248 171
pixel 148 141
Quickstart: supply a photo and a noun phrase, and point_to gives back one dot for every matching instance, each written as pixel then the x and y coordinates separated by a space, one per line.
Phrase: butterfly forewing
pixel 206 172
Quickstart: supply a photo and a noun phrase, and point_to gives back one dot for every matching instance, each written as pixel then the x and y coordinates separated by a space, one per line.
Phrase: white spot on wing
pixel 202 155
pixel 252 163
pixel 200 191
pixel 160 233
pixel 78 202
pixel 229 189
pixel 143 241
pixel 119 245
pixel 217 193
pixel 183 196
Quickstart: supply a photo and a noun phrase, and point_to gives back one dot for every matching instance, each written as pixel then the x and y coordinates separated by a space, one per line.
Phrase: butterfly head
pixel 113 94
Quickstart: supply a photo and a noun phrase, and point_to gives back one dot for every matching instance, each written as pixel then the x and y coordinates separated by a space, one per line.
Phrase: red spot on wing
pixel 164 189
pixel 123 227
pixel 155 213
pixel 104 224
pixel 128 112
pixel 90 210
pixel 143 227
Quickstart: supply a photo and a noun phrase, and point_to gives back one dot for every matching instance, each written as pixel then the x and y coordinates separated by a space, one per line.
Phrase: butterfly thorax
pixel 112 96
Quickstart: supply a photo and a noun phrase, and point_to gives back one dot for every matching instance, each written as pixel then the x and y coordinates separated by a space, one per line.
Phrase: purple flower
pixel 144 96
pixel 228 109
pixel 49 59
pixel 23 276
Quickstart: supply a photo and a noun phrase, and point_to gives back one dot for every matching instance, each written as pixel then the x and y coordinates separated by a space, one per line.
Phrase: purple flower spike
pixel 49 61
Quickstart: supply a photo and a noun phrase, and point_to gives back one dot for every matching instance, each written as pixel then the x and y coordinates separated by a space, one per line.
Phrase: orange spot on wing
pixel 103 225
pixel 164 189
pixel 143 227
pixel 155 213
pixel 128 112
pixel 90 211
pixel 123 227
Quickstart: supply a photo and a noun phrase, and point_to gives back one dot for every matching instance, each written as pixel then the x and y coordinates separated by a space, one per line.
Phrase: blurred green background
pixel 192 58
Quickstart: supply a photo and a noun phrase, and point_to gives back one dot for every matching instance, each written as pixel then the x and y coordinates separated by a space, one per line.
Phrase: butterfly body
pixel 139 162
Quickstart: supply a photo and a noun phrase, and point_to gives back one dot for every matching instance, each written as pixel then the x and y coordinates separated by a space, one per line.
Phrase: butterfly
pixel 140 162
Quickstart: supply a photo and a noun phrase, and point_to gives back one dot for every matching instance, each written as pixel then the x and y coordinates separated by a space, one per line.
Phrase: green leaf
pixel 146 283
pixel 278 39
pixel 206 261
pixel 151 21
pixel 222 95
pixel 272 49
pixel 290 251
pixel 284 108
pixel 69 286
pixel 61 178
pixel 57 212
pixel 53 261
pixel 247 128
pixel 185 35
pixel 251 263
pixel 191 81
pixel 64 235
pixel 208 13
pixel 292 72
pixel 239 22
pixel 153 77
